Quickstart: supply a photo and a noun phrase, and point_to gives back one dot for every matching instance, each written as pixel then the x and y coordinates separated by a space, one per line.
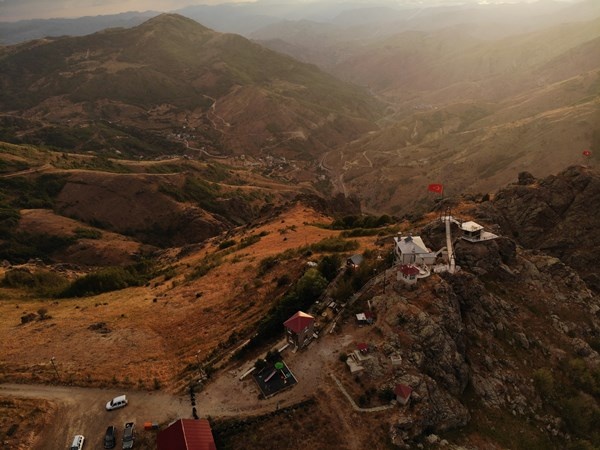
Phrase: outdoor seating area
pixel 273 378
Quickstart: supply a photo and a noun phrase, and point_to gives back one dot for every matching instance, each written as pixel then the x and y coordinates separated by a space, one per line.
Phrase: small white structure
pixel 353 364
pixel 396 360
pixel 412 250
pixel 473 232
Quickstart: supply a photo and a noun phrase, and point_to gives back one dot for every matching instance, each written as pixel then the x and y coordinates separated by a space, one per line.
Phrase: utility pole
pixel 54 366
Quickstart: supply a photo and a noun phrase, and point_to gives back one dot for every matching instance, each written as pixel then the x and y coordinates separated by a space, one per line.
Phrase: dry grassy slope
pixel 110 249
pixel 169 202
pixel 28 415
pixel 542 131
pixel 155 330
pixel 122 201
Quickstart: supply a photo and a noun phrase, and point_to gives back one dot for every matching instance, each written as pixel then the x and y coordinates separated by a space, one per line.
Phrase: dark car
pixel 110 438
pixel 128 435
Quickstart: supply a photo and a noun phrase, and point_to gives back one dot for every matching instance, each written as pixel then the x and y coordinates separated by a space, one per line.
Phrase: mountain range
pixel 172 194
pixel 172 83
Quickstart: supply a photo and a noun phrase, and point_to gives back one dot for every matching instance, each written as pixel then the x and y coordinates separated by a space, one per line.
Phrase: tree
pixel 329 266
pixel 310 287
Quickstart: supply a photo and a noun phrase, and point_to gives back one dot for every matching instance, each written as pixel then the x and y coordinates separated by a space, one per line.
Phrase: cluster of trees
pixel 301 296
pixel 51 284
pixel 362 221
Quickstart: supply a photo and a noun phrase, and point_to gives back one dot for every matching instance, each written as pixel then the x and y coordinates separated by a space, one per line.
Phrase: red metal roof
pixel 362 347
pixel 409 270
pixel 403 390
pixel 187 434
pixel 299 322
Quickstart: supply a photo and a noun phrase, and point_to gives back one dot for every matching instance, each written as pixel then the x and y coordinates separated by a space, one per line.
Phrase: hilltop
pixel 171 84
pixel 483 350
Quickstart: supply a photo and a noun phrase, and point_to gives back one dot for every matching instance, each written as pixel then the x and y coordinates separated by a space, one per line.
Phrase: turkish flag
pixel 437 188
pixel 587 153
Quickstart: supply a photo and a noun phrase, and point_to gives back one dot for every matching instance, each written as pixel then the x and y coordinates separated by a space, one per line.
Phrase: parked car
pixel 110 438
pixel 78 441
pixel 128 435
pixel 117 402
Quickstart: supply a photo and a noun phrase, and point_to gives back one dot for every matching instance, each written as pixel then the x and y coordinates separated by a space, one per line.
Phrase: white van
pixel 77 442
pixel 117 402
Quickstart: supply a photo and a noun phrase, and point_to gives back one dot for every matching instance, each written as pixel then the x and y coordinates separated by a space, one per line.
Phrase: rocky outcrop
pixel 481 336
pixel 554 214
pixel 487 257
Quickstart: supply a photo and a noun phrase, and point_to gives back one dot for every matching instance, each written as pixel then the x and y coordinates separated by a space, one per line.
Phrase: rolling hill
pixel 173 80
pixel 471 114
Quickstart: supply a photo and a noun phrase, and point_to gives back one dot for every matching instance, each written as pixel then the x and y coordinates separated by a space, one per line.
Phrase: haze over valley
pixel 181 185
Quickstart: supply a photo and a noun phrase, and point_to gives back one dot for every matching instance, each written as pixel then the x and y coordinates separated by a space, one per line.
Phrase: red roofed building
pixel 186 434
pixel 299 329
pixel 363 347
pixel 402 392
pixel 408 273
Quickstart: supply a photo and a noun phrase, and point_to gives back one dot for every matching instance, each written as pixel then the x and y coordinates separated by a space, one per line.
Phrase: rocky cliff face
pixel 472 343
pixel 557 215
pixel 508 346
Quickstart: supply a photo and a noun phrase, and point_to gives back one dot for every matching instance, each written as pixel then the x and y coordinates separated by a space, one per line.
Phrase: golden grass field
pixel 154 331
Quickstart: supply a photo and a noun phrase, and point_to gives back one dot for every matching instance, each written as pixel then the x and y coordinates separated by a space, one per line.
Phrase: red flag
pixel 587 153
pixel 437 188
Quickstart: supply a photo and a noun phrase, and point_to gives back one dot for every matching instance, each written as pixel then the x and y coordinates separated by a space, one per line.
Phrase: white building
pixel 473 232
pixel 412 250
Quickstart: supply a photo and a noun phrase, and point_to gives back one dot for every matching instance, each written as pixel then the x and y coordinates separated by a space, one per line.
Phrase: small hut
pixel 403 393
pixel 408 273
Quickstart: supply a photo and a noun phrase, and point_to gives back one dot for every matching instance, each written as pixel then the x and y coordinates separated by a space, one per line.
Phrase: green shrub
pixel 334 244
pixel 43 282
pixel 307 290
pixel 87 233
pixel 226 244
pixel 267 264
pixel 205 266
pixel 104 280
pixel 580 413
pixel 20 247
pixel 386 394
pixel 248 241
pixel 366 221
pixel 283 280
pixel 9 218
pixel 543 381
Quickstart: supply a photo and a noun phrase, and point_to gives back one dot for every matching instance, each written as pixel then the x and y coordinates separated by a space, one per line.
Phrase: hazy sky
pixel 11 10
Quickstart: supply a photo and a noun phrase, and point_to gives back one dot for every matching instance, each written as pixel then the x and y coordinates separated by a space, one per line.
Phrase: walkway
pixel 353 403
pixel 449 246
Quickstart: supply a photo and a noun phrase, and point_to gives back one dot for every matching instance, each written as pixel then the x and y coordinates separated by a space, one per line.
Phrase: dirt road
pixel 82 411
